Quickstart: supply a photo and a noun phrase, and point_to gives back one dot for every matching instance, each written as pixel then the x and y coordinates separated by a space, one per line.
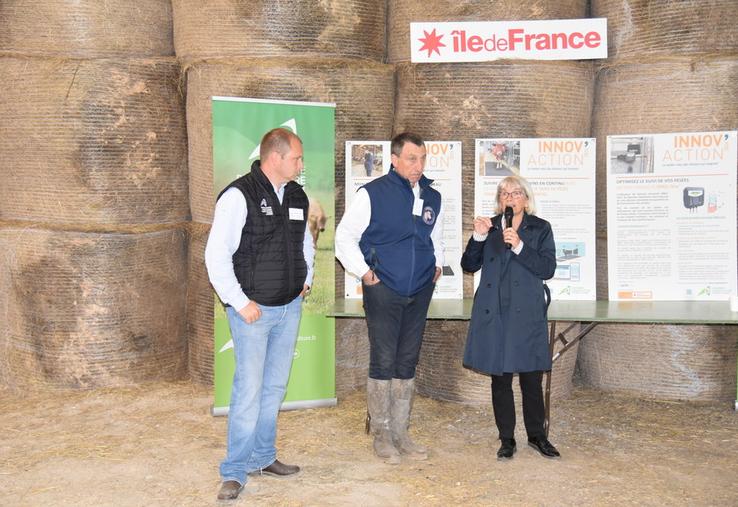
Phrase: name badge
pixel 418 207
pixel 296 214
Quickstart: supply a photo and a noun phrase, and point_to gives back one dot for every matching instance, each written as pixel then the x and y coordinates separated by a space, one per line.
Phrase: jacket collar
pixel 264 181
pixel 395 176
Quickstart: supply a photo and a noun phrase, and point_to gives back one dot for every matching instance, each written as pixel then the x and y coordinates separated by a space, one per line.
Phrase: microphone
pixel 508 222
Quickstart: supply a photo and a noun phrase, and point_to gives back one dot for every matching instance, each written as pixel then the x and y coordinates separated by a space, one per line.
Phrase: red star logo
pixel 431 42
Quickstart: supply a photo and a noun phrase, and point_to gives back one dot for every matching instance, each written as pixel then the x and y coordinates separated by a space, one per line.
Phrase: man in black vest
pixel 259 258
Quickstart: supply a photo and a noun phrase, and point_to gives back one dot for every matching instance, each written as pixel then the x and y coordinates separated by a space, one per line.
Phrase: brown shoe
pixel 230 490
pixel 279 469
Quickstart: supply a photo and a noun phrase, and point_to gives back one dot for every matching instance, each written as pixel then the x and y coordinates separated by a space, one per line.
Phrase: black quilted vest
pixel 270 262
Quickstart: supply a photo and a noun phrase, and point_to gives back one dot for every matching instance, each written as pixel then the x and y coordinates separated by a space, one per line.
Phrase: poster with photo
pixel 561 173
pixel 367 160
pixel 671 216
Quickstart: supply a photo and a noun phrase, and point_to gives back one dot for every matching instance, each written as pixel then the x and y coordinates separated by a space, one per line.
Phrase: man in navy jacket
pixel 390 237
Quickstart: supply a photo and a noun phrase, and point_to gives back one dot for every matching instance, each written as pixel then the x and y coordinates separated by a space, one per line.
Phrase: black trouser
pixel 503 403
pixel 396 325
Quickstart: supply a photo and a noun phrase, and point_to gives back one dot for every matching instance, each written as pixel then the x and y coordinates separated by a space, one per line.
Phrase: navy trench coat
pixel 508 332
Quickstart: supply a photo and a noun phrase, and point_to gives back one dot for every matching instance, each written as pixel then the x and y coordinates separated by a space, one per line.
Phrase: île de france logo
pixel 431 42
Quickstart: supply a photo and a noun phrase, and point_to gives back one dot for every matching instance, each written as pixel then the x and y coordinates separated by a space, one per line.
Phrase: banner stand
pixel 238 126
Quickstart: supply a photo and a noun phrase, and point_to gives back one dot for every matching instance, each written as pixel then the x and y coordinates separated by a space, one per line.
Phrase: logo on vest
pixel 429 216
pixel 267 210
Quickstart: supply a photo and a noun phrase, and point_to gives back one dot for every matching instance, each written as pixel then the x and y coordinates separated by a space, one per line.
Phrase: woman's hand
pixel 510 235
pixel 482 225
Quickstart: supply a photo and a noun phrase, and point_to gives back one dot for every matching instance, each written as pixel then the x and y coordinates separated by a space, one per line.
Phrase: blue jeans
pixel 263 354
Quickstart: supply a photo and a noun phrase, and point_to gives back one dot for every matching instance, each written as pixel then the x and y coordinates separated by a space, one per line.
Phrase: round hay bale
pixel 200 301
pixel 352 355
pixel 674 96
pixel 661 361
pixel 265 28
pixel 511 99
pixel 87 28
pixel 461 102
pixel 92 141
pixel 363 93
pixel 403 12
pixel 644 29
pixel 85 310
pixel 440 374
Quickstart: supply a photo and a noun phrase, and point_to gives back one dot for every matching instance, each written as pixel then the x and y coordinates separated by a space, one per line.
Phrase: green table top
pixel 656 312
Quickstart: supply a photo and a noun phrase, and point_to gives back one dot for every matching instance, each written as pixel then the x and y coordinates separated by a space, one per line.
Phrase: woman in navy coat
pixel 508 332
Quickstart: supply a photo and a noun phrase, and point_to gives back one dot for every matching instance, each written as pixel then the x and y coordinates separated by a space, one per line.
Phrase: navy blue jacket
pixel 397 245
pixel 508 332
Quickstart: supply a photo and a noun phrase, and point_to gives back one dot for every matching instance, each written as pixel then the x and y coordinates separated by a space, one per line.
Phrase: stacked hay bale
pixel 93 193
pixel 464 101
pixel 305 51
pixel 673 67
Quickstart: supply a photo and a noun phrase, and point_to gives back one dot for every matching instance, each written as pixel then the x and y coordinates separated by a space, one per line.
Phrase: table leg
pixel 547 398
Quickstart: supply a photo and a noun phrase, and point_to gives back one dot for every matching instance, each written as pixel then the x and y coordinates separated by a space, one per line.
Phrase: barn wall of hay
pixel 269 29
pixel 94 154
pixel 673 67
pixel 93 195
pixel 86 309
pixel 87 28
pixel 92 141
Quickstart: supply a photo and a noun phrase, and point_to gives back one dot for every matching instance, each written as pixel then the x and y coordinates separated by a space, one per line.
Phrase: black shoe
pixel 507 449
pixel 542 445
pixel 279 469
pixel 230 490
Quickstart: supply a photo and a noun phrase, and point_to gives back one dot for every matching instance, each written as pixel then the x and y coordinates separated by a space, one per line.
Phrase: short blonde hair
pixel 516 182
pixel 279 140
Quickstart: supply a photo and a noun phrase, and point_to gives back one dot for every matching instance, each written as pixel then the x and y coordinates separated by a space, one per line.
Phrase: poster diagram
pixel 671 216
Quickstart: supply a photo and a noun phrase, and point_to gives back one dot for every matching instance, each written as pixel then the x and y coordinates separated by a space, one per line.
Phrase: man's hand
pixel 370 278
pixel 305 290
pixel 437 275
pixel 250 313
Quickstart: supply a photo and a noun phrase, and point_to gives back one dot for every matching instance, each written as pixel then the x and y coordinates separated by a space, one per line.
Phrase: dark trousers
pixel 396 325
pixel 503 403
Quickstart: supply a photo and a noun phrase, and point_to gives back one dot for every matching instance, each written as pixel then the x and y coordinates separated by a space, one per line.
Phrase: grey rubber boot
pixel 378 402
pixel 403 392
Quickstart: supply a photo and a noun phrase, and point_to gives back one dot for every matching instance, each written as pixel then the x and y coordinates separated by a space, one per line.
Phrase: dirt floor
pixel 158 445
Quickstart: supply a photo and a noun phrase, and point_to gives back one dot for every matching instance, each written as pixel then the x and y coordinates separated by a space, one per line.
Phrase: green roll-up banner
pixel 238 126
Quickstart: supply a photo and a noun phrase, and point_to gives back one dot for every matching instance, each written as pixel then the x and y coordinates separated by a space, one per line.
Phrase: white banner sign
pixel 671 216
pixel 561 173
pixel 367 160
pixel 477 41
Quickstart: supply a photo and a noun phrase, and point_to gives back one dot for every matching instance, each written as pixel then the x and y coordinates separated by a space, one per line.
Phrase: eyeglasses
pixel 515 194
